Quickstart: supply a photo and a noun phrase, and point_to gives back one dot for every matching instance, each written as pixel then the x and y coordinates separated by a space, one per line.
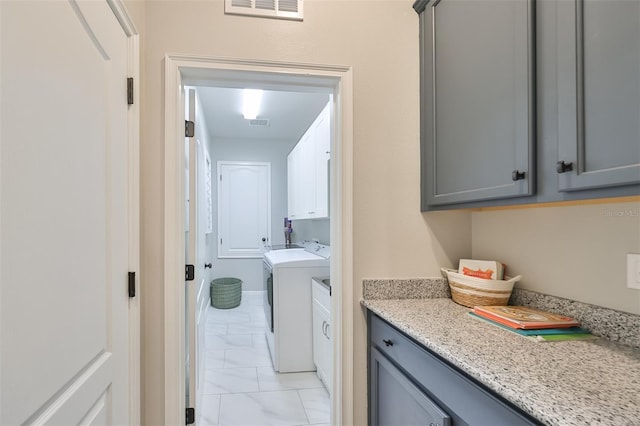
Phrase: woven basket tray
pixel 471 291
pixel 226 293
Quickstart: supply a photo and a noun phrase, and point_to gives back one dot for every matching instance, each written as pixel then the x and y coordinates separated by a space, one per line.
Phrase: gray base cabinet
pixel 409 385
pixel 398 400
pixel 528 102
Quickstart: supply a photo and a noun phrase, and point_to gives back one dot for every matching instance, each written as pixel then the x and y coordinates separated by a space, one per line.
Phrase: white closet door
pixel 244 208
pixel 64 238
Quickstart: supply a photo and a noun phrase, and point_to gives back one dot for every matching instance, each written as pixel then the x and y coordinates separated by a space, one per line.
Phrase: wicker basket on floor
pixel 471 291
pixel 226 293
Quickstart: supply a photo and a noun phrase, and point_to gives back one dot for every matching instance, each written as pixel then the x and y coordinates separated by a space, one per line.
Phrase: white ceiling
pixel 289 114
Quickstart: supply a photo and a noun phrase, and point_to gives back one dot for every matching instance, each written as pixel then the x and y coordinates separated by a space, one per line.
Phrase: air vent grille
pixel 266 4
pixel 288 5
pixel 241 3
pixel 281 9
pixel 259 122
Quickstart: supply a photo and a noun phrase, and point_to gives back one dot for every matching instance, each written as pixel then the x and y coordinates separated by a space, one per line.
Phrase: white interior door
pixel 64 214
pixel 244 208
pixel 197 295
pixel 204 223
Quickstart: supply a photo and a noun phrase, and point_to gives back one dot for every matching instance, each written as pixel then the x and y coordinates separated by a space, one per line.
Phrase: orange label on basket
pixel 479 273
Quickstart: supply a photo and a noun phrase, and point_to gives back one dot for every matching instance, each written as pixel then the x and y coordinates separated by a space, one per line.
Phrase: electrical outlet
pixel 633 271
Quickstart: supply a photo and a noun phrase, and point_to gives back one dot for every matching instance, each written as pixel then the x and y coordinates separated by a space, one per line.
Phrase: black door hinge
pixel 130 91
pixel 132 284
pixel 189 129
pixel 189 272
pixel 191 416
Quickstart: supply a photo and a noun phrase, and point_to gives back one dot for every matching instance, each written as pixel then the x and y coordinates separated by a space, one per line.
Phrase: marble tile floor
pixel 241 388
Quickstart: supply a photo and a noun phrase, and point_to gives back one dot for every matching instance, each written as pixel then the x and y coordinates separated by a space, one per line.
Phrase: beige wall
pixel 380 40
pixel 577 252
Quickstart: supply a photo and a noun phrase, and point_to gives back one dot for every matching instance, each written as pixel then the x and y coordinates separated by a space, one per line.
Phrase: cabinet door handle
pixel 327 333
pixel 562 167
pixel 517 175
pixel 387 342
pixel 324 324
pixel 311 212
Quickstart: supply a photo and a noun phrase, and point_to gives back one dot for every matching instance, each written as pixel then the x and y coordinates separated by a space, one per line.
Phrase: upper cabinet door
pixel 598 93
pixel 308 171
pixel 477 100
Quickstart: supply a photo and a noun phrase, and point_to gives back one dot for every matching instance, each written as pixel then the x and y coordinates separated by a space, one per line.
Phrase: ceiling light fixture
pixel 252 98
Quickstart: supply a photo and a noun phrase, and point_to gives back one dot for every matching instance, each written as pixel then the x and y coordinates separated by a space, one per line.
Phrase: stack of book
pixel 541 325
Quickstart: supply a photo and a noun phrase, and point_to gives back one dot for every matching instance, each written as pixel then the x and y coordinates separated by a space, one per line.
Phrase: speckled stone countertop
pixel 590 382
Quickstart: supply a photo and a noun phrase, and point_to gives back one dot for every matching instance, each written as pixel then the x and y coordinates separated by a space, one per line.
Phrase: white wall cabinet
pixel 308 171
pixel 322 344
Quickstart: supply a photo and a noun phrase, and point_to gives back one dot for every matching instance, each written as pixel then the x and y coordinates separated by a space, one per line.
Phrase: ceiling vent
pixel 259 122
pixel 282 9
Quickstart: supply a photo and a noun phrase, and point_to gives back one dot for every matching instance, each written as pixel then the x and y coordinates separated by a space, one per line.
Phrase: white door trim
pixel 133 129
pixel 183 69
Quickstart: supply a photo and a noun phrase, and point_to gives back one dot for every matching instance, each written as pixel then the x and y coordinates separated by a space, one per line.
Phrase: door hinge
pixel 189 272
pixel 130 91
pixel 132 284
pixel 191 416
pixel 189 129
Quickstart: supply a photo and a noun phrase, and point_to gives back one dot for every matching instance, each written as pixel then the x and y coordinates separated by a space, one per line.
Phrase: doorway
pixel 181 71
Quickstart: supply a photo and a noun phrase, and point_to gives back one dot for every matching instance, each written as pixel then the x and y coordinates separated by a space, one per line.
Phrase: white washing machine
pixel 287 283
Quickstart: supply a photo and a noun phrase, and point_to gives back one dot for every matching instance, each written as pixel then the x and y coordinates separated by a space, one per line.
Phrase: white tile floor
pixel 241 388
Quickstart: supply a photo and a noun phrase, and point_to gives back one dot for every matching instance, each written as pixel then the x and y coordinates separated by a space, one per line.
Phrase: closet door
pixel 244 208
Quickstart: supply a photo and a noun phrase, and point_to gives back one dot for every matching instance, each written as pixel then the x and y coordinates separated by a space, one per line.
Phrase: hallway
pixel 241 388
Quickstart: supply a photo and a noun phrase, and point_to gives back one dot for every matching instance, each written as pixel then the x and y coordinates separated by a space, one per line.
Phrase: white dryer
pixel 287 283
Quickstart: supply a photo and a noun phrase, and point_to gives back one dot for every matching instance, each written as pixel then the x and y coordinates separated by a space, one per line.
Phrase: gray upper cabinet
pixel 477 100
pixel 546 93
pixel 598 93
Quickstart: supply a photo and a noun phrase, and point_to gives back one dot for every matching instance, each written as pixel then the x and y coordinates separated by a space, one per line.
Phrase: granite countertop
pixel 566 383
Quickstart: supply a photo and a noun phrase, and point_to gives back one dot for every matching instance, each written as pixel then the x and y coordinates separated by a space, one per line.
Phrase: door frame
pixel 133 178
pixel 182 70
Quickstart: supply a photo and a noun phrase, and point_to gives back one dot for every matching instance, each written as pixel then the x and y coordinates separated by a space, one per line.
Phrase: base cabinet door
pixel 396 400
pixel 322 343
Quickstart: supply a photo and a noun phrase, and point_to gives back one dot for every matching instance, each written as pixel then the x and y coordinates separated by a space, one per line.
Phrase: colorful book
pixel 524 317
pixel 534 332
pixel 544 335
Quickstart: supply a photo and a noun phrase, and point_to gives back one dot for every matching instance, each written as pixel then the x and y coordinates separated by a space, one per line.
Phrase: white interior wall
pixel 311 229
